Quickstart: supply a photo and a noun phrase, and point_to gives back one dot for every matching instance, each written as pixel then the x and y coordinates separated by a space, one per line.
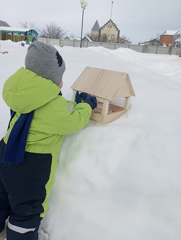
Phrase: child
pixel 29 151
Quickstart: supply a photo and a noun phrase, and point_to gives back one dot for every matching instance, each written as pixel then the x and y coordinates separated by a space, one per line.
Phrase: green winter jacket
pixel 54 116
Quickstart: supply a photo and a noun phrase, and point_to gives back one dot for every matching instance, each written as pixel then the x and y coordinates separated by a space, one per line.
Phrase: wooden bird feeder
pixel 106 86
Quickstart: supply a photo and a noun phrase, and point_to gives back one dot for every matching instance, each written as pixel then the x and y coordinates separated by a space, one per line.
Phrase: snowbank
pixel 119 180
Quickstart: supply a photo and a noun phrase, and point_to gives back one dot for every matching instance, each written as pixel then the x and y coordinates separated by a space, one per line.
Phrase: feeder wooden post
pixel 74 92
pixel 105 107
pixel 126 104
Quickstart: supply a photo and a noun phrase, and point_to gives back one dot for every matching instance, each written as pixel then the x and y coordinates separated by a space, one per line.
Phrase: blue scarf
pixel 15 148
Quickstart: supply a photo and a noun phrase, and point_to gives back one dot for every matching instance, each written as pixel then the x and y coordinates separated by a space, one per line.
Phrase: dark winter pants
pixel 22 192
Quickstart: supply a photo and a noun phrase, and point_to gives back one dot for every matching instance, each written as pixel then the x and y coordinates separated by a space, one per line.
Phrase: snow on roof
pixel 15 29
pixel 179 31
pixel 70 38
pixel 171 32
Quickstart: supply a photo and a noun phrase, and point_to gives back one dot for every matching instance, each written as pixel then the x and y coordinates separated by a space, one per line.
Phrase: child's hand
pixel 77 97
pixel 85 97
pixel 92 101
pixel 80 97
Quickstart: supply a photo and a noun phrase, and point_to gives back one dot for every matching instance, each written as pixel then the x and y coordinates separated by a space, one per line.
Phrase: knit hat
pixel 45 61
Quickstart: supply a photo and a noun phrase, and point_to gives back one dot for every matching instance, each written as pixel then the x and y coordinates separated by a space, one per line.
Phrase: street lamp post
pixel 83 5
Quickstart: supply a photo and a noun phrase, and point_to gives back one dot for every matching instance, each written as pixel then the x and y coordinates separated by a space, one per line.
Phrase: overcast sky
pixel 138 20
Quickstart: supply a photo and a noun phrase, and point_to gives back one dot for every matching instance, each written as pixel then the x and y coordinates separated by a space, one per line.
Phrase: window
pixel 112 36
pixel 109 25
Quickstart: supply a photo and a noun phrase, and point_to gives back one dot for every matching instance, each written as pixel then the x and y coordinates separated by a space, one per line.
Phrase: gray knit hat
pixel 45 61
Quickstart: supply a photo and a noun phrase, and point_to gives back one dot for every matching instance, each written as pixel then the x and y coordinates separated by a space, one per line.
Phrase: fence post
pixel 157 48
pixel 180 52
pixel 170 50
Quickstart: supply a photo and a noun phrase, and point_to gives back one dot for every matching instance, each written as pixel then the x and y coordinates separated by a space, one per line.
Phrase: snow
pixel 120 180
pixel 170 32
pixel 18 29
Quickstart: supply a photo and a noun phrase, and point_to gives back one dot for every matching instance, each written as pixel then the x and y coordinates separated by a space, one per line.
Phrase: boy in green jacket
pixel 40 117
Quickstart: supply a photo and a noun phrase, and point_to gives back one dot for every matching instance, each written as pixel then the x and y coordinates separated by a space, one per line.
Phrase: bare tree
pixel 26 24
pixel 52 31
pixel 124 39
pixel 158 36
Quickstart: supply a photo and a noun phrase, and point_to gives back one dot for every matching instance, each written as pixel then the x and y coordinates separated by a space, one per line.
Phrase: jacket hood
pixel 25 91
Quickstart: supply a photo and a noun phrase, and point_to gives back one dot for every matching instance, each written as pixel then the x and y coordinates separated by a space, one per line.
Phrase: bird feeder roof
pixel 104 83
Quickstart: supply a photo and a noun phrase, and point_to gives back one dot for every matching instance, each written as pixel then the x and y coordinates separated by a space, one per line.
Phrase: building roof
pixel 178 39
pixel 104 83
pixel 96 26
pixel 86 38
pixel 110 21
pixel 150 41
pixel 2 23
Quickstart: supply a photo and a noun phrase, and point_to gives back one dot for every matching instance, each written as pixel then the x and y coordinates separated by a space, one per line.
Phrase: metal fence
pixel 112 46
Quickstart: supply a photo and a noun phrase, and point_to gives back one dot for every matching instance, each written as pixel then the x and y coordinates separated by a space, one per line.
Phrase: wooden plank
pixel 109 84
pixel 115 108
pixel 107 118
pixel 88 81
pixel 125 89
pixel 100 99
pixel 97 117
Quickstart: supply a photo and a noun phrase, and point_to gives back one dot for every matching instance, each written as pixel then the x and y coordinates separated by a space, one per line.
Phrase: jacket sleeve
pixel 70 116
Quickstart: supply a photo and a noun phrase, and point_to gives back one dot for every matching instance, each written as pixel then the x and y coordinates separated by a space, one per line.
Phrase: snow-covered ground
pixel 120 180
